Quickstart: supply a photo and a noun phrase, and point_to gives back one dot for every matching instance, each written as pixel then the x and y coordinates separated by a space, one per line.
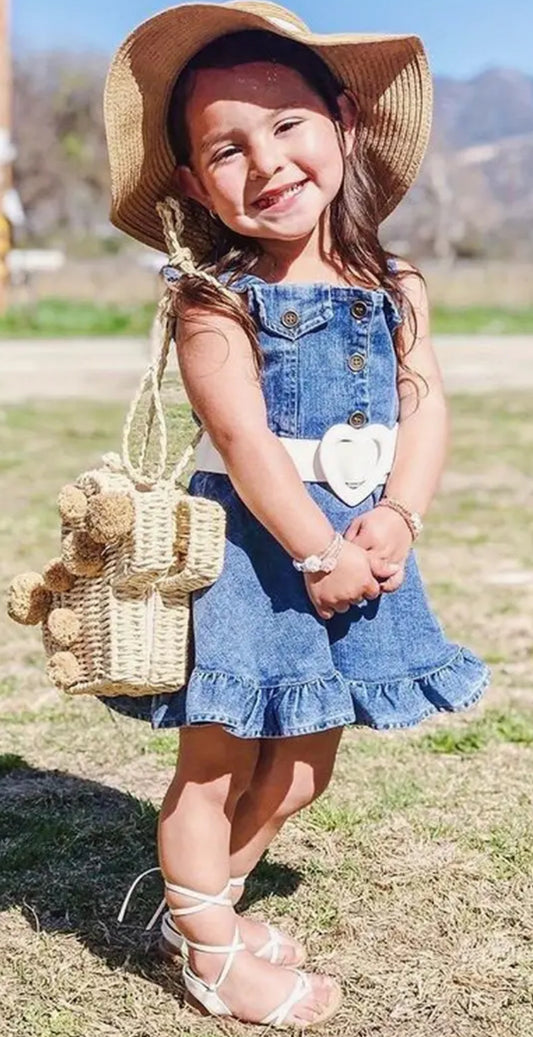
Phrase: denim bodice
pixel 328 355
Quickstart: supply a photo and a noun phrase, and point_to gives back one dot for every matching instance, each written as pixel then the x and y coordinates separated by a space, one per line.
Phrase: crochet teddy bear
pixel 89 523
pixel 115 605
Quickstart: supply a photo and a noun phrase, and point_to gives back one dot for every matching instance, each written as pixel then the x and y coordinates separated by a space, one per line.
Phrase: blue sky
pixel 462 37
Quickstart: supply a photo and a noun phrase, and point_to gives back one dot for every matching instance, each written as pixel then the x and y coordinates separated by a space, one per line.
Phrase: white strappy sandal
pixel 203 995
pixel 172 944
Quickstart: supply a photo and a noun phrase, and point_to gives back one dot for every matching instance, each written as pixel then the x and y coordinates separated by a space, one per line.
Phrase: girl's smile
pixel 280 199
pixel 265 153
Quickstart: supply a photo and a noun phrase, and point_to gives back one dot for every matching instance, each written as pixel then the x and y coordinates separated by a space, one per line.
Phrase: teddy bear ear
pixel 63 669
pixel 72 505
pixel 28 599
pixel 81 555
pixel 57 577
pixel 109 517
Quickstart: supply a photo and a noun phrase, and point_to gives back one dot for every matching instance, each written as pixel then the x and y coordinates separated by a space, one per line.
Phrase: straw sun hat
pixel 388 75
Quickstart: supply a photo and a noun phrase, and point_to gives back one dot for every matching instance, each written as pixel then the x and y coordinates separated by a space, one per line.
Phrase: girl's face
pixel 265 155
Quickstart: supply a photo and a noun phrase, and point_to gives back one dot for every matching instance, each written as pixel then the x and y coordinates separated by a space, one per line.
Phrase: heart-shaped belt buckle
pixel 355 461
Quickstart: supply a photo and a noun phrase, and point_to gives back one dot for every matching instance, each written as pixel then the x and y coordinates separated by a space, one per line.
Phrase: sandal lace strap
pixel 301 988
pixel 212 948
pixel 271 948
pixel 206 899
pixel 238 880
pixel 127 898
pixel 230 951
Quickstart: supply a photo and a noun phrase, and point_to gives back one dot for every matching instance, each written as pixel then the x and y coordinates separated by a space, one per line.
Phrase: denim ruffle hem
pixel 314 705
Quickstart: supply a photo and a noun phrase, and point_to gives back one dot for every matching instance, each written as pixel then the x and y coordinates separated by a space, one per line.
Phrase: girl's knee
pixel 283 799
pixel 292 774
pixel 304 790
pixel 217 763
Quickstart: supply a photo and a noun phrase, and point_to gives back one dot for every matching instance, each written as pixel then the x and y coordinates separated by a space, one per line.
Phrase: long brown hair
pixel 354 213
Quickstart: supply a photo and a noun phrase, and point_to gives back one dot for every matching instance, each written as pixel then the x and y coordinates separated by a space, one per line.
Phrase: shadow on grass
pixel 70 849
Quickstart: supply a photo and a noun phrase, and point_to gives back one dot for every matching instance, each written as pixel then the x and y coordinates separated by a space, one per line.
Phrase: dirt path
pixel 109 368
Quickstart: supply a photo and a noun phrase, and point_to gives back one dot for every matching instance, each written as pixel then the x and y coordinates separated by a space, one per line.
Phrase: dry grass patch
pixel 410 879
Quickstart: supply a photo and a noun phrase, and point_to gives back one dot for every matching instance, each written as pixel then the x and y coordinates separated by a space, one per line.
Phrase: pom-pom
pixel 81 555
pixel 109 517
pixel 57 577
pixel 28 599
pixel 63 669
pixel 72 504
pixel 88 484
pixel 64 626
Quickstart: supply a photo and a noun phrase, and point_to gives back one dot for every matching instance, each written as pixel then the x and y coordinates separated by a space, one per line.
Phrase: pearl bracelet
pixel 325 562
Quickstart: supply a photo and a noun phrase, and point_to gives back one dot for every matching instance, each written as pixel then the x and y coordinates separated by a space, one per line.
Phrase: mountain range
pixel 476 185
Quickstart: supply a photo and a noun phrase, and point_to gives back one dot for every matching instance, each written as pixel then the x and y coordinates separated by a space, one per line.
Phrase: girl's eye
pixel 224 154
pixel 231 150
pixel 287 125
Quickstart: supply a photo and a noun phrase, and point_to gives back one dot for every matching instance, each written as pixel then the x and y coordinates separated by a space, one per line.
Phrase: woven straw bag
pixel 115 608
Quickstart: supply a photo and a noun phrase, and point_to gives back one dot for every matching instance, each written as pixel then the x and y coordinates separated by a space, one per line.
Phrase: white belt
pixel 352 461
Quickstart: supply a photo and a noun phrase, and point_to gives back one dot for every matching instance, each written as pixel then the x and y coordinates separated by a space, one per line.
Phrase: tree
pixel 61 170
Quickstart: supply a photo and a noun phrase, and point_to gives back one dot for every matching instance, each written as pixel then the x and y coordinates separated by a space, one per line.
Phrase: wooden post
pixel 5 142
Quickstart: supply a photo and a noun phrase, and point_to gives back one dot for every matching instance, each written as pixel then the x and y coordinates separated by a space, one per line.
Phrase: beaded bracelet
pixel 325 562
pixel 411 518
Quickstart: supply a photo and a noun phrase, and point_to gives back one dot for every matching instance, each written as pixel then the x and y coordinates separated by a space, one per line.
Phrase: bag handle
pixel 142 473
pixel 180 258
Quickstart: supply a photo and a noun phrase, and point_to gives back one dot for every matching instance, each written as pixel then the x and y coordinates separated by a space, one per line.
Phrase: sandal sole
pixel 328 1014
pixel 200 1009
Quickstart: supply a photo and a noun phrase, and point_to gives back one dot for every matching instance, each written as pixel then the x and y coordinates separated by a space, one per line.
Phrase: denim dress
pixel 264 664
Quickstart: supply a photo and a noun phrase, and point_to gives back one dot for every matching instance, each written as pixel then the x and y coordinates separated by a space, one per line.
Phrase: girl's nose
pixel 264 161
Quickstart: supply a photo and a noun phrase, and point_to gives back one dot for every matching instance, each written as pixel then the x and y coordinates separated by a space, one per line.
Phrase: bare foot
pixel 256 935
pixel 254 988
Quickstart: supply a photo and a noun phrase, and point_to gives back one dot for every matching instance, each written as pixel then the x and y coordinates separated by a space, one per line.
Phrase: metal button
pixel 358 309
pixel 357 419
pixel 290 319
pixel 356 362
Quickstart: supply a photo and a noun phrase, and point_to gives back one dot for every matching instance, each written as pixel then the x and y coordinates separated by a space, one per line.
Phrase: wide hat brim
pixel 389 76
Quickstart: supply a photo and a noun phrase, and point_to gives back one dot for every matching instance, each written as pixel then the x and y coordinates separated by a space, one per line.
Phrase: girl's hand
pixel 355 576
pixel 384 532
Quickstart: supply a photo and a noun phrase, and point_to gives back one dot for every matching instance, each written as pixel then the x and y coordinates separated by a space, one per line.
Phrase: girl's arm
pixel 218 372
pixel 423 431
pixel 421 446
pixel 216 363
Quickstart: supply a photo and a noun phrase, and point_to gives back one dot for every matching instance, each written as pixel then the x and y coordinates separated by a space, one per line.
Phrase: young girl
pixel 305 352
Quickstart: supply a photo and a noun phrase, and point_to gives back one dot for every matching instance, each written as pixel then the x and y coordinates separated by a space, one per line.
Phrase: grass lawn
pixel 410 879
pixel 57 317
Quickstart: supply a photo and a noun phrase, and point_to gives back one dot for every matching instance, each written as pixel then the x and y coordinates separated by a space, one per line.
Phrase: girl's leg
pixel 213 770
pixel 290 774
